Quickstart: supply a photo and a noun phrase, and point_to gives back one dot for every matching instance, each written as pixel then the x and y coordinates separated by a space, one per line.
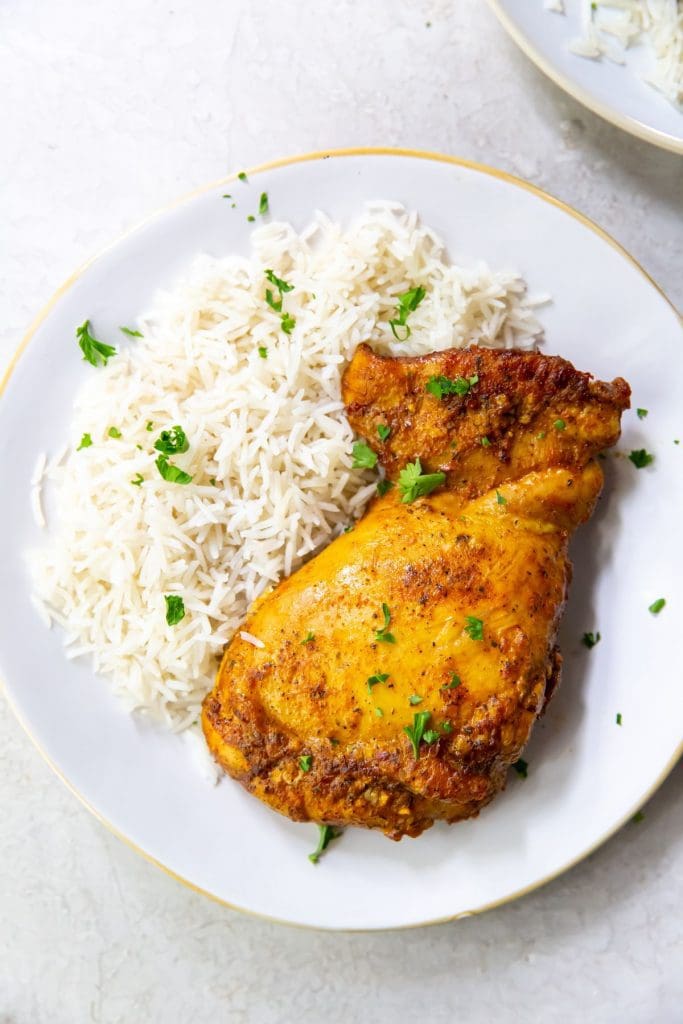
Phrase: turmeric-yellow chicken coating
pixel 403 667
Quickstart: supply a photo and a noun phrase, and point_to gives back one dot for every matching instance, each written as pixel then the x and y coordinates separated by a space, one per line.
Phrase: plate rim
pixel 447 919
pixel 625 122
pixel 318 155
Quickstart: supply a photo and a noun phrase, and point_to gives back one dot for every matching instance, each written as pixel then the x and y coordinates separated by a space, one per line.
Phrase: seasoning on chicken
pixel 402 668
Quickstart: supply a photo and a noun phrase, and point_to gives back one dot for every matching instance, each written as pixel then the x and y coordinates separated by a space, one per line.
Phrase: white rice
pixel 610 27
pixel 251 639
pixel 271 432
pixel 37 506
pixel 39 470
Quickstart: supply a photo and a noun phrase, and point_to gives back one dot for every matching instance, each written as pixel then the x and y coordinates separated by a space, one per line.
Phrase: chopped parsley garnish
pixel 485 443
pixel 379 713
pixel 407 304
pixel 172 442
pixel 521 767
pixel 278 282
pixel 309 638
pixel 275 302
pixel 379 677
pixel 212 481
pixel 287 323
pixel 383 431
pixel 415 699
pixel 131 332
pixel 150 426
pixel 413 483
pixel 559 424
pixel 383 487
pixel 305 762
pixel 263 204
pixel 363 456
pixel 454 683
pixel 137 480
pixel 251 218
pixel 641 413
pixel 657 605
pixel 590 640
pixel 641 458
pixel 618 718
pixel 441 386
pixel 172 473
pixel 114 432
pixel 242 176
pixel 638 817
pixel 501 500
pixel 263 351
pixel 431 736
pixel 86 441
pixel 539 437
pixel 226 195
pixel 446 727
pixel 382 634
pixel 347 529
pixel 175 609
pixel 474 628
pixel 415 732
pixel 326 834
pixel 94 351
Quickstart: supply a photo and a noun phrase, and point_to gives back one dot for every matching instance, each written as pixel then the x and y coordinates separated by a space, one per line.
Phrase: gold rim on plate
pixel 260 168
pixel 624 121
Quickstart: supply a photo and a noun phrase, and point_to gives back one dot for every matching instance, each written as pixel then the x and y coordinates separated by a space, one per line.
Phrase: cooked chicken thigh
pixel 402 668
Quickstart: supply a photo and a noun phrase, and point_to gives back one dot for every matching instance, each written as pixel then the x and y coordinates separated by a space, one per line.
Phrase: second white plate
pixel 617 93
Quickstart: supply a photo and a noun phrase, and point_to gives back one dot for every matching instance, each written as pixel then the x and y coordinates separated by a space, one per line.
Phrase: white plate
pixel 615 92
pixel 587 775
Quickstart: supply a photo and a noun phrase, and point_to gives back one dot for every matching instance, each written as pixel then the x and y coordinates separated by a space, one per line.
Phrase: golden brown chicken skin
pixel 439 615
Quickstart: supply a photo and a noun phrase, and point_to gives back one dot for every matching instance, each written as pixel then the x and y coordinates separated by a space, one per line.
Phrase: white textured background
pixel 108 111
